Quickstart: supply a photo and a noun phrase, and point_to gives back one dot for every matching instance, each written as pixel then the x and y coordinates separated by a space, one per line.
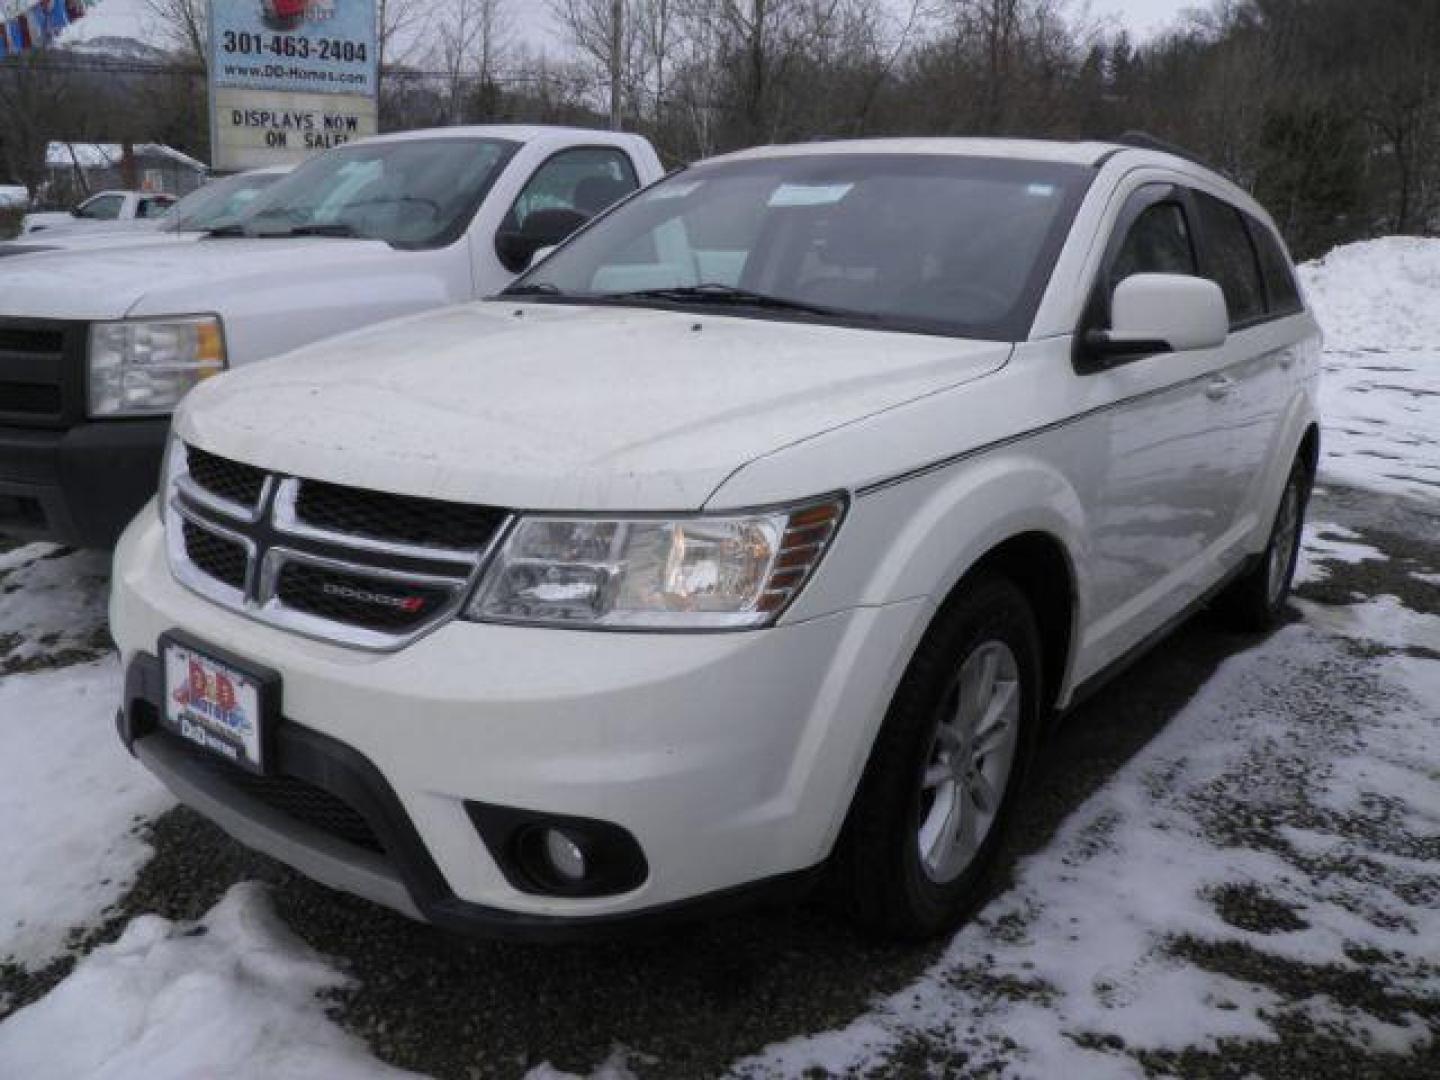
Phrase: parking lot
pixel 1227 866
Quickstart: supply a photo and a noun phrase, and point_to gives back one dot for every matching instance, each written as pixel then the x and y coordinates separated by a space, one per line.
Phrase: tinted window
pixel 1157 243
pixel 1280 288
pixel 945 244
pixel 1231 259
pixel 103 207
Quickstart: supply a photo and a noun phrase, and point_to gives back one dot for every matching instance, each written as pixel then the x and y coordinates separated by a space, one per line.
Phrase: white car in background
pixel 219 204
pixel 753 535
pixel 100 211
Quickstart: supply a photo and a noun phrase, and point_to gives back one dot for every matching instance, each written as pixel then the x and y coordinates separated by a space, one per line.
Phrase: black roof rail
pixel 1142 140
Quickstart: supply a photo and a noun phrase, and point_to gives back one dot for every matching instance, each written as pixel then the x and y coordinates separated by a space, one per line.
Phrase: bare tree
pixel 607 36
pixel 183 25
pixel 472 36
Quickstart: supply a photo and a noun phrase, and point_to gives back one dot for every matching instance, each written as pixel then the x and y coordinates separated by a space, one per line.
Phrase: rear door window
pixel 1231 259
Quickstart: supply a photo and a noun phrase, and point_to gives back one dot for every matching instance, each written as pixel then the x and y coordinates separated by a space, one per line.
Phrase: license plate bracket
pixel 221 702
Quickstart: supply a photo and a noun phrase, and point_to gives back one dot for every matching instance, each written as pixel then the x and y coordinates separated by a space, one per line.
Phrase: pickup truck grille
pixel 41 376
pixel 350 565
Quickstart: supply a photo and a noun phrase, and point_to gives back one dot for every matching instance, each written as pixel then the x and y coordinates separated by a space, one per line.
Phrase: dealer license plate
pixel 217 704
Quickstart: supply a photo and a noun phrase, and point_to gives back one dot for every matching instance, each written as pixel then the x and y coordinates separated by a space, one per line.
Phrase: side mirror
pixel 516 248
pixel 75 211
pixel 1158 313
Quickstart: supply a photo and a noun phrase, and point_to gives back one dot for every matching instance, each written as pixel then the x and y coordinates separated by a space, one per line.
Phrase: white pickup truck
pixel 99 211
pixel 97 347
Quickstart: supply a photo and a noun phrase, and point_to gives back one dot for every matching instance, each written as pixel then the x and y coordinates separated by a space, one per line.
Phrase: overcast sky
pixel 533 24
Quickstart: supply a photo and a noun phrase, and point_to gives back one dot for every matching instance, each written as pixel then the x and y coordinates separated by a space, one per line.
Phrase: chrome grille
pixel 367 569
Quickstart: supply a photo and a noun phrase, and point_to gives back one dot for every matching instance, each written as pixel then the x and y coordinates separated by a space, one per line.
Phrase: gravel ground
pixel 692 1001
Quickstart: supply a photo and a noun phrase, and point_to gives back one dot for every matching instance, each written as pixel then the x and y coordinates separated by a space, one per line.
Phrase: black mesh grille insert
pixel 29 398
pixel 293 797
pixel 23 340
pixel 225 479
pixel 355 600
pixel 399 519
pixel 222 559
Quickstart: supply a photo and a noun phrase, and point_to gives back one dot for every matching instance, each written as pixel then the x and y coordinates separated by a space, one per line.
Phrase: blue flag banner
pixel 29 24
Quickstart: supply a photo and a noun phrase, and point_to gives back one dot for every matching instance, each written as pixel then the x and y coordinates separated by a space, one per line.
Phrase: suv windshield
pixel 409 193
pixel 928 243
pixel 218 203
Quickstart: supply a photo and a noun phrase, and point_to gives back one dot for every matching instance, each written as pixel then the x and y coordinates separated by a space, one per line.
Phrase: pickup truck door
pixel 1160 479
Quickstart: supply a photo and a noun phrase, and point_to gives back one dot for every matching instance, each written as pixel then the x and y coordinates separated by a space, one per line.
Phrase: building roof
pixel 62 155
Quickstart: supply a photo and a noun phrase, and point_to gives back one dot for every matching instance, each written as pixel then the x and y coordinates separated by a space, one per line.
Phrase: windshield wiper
pixel 533 288
pixel 716 293
pixel 335 228
pixel 222 231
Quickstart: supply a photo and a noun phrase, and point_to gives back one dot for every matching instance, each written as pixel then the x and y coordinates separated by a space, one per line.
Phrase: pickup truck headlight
pixel 694 573
pixel 143 367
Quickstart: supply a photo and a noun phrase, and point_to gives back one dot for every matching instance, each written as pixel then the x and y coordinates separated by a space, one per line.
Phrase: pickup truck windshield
pixel 927 243
pixel 219 203
pixel 409 193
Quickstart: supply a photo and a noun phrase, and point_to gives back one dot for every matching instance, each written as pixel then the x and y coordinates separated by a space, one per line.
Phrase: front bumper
pixel 729 758
pixel 78 486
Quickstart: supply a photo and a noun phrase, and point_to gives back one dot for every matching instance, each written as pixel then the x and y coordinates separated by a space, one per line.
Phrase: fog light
pixel 565 856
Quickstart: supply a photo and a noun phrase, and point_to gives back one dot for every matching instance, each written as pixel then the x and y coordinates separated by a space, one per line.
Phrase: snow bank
pixel 69 802
pixel 1379 303
pixel 1378 294
pixel 234 995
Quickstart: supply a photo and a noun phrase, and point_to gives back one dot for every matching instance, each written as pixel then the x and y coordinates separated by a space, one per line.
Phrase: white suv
pixel 754 533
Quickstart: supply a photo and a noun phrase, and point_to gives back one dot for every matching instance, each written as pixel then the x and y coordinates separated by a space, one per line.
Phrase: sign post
pixel 289 77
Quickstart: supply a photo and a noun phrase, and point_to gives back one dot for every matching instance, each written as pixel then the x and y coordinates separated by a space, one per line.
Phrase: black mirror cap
pixel 543 228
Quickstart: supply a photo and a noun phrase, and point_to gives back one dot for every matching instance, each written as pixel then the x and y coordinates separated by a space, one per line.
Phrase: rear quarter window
pixel 1281 293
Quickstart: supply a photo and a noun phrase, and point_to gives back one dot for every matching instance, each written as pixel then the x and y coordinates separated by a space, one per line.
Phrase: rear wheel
pixel 1256 600
pixel 942 780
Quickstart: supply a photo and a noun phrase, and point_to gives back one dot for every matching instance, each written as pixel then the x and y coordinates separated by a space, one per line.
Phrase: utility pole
pixel 617 67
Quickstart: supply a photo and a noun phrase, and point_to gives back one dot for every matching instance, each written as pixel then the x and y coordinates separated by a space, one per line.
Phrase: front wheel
pixel 1256 600
pixel 943 777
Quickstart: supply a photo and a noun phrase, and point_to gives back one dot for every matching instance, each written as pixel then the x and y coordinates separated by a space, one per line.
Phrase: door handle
pixel 1218 388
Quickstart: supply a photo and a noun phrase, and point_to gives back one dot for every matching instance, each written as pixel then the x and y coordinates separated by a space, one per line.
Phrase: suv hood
pixel 145 278
pixel 547 407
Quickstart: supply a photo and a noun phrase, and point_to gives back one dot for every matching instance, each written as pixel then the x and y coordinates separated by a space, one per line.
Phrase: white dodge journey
pixel 754 535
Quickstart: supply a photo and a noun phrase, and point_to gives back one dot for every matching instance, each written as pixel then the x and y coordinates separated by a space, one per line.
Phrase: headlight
pixel 694 573
pixel 143 367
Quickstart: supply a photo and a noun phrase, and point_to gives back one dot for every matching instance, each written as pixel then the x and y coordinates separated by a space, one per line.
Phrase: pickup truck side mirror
pixel 1159 313
pixel 516 248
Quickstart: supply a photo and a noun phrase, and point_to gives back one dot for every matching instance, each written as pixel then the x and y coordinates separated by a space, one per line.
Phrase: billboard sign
pixel 289 77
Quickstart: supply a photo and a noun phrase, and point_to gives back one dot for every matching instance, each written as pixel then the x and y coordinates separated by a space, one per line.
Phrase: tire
pixel 1256 600
pixel 903 869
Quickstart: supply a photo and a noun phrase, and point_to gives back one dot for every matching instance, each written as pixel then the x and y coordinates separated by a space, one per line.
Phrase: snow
pixel 1325 543
pixel 1083 934
pixel 1379 304
pixel 13 196
pixel 234 995
pixel 68 849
